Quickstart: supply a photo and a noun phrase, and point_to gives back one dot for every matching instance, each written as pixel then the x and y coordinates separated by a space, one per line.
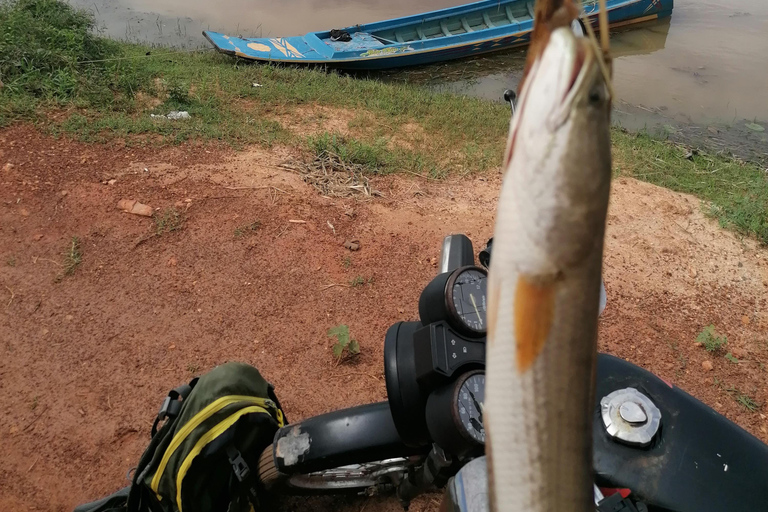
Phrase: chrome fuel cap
pixel 630 417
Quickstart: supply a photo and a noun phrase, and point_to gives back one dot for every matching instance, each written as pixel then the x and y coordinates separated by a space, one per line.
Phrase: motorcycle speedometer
pixel 466 299
pixel 458 297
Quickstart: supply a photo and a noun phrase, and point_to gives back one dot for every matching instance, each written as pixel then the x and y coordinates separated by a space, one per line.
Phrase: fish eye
pixel 595 95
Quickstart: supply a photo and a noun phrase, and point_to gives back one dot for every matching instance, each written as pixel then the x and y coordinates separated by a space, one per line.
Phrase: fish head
pixel 558 156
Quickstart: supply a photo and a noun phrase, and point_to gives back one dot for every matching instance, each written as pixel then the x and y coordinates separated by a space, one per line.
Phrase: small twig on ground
pixel 29 425
pixel 11 299
pixel 33 464
pixel 215 197
pixel 281 233
pixel 294 221
pixel 422 176
pixel 258 188
pixel 143 239
pixel 35 260
pixel 336 376
pixel 332 285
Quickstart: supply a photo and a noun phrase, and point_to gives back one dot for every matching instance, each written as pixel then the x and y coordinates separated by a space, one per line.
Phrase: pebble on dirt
pixel 352 245
pixel 707 365
pixel 134 207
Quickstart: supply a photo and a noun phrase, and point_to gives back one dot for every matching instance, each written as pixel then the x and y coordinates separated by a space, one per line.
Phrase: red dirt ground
pixel 87 358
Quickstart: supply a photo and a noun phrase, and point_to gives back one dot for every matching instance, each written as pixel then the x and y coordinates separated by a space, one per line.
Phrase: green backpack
pixel 213 432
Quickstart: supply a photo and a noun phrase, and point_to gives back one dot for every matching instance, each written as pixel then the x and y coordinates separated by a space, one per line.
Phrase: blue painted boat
pixel 453 33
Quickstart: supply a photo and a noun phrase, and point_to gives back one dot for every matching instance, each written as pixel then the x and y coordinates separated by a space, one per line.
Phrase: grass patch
pixel 344 346
pixel 747 402
pixel 710 340
pixel 115 98
pixel 168 221
pixel 248 228
pixel 73 256
pixel 47 54
pixel 358 281
pixel 372 156
pixel 743 399
pixel 735 193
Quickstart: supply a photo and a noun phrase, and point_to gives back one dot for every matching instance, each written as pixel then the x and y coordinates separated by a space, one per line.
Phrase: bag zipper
pixel 207 438
pixel 198 419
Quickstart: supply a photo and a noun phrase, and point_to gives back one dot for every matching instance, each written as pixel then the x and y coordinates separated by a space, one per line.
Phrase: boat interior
pixel 497 16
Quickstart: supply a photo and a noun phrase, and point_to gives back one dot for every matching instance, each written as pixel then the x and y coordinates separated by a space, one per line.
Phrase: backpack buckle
pixel 163 413
pixel 239 466
pixel 170 408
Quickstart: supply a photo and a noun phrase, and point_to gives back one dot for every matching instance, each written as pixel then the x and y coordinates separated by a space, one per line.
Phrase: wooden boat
pixel 456 32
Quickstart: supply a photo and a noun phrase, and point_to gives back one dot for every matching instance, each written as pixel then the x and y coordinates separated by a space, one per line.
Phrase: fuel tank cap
pixel 630 417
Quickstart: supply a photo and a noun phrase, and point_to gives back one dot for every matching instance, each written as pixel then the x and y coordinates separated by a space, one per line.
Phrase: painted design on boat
pixel 259 47
pixel 375 52
pixel 286 48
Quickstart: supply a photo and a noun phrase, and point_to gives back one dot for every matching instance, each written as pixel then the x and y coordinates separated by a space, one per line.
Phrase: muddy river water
pixel 700 76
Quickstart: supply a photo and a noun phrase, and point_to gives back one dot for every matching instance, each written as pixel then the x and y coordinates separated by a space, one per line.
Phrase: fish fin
pixel 534 312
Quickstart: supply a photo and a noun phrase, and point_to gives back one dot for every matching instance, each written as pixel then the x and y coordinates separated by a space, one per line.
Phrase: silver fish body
pixel 544 284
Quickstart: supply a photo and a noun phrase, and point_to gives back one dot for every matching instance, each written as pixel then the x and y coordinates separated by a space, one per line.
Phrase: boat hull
pixel 367 52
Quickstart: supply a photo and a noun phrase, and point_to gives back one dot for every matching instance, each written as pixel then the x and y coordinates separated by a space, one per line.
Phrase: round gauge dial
pixel 469 405
pixel 467 299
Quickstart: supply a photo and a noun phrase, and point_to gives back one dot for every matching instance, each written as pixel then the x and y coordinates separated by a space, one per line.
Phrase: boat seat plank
pixel 399 37
pixel 444 28
pixel 529 6
pixel 487 20
pixel 465 24
pixel 509 15
pixel 421 34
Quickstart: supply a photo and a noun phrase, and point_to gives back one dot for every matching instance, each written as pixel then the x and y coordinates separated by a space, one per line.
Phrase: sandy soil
pixel 87 358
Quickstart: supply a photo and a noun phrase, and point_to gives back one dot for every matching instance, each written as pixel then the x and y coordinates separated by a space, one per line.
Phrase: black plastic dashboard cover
pixel 699 460
pixel 406 398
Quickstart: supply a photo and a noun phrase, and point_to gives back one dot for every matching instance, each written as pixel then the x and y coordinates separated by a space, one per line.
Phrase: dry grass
pixel 333 177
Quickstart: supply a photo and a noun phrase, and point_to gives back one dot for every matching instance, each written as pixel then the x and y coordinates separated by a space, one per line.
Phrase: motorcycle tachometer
pixel 469 404
pixel 455 414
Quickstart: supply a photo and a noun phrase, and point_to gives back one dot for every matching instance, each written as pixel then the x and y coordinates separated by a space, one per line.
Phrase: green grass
pixel 115 98
pixel 168 220
pixel 747 402
pixel 360 281
pixel 710 340
pixel 46 47
pixel 73 256
pixel 735 193
pixel 240 231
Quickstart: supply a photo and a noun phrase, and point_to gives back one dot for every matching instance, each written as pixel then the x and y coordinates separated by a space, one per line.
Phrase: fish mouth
pixel 576 61
pixel 579 65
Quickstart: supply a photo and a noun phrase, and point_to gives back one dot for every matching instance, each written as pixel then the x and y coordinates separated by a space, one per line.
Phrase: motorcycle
pixel 655 447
